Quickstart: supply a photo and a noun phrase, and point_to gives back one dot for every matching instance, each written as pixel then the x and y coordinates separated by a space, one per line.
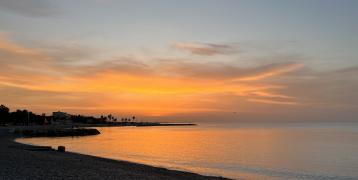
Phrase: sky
pixel 204 60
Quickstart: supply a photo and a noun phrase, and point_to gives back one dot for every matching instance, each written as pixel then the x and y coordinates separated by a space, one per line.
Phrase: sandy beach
pixel 18 163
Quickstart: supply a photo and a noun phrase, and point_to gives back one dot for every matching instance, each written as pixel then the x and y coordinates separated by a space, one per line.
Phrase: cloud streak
pixel 274 71
pixel 230 72
pixel 205 49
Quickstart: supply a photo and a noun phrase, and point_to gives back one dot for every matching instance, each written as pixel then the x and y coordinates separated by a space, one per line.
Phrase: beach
pixel 235 150
pixel 18 163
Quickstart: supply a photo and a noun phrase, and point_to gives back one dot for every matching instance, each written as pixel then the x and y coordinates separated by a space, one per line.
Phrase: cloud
pixel 272 71
pixel 32 8
pixel 9 47
pixel 16 58
pixel 72 53
pixel 270 101
pixel 205 49
pixel 229 71
pixel 332 89
pixel 272 95
pixel 39 78
pixel 44 71
pixel 353 69
pixel 119 65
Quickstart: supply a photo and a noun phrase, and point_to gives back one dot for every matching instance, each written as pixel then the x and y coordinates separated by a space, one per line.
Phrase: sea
pixel 233 150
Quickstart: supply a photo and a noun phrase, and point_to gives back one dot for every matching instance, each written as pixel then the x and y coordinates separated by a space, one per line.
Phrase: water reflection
pixel 288 152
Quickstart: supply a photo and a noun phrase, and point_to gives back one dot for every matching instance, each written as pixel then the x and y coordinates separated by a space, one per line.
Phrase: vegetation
pixel 26 118
pixel 20 117
pixel 88 119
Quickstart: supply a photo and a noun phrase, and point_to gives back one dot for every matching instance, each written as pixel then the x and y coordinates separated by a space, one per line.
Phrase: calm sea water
pixel 249 151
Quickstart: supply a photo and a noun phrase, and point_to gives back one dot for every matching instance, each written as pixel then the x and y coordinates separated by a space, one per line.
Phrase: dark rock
pixel 61 149
pixel 39 148
pixel 58 132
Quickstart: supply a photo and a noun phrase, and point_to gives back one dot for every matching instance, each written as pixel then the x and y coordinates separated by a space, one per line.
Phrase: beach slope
pixel 18 163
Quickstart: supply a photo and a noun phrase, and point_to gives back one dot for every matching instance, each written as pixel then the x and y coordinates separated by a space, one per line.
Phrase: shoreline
pixel 18 163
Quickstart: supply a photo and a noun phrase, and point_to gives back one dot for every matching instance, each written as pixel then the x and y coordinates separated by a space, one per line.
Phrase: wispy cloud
pixel 205 49
pixel 29 71
pixel 271 95
pixel 125 80
pixel 229 71
pixel 273 71
pixel 32 8
pixel 40 78
pixel 9 47
pixel 270 101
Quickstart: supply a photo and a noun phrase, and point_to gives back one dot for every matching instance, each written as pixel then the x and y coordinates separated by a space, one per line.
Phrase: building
pixel 61 118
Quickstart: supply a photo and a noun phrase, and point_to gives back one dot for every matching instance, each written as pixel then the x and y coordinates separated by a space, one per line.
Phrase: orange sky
pixel 160 89
pixel 36 79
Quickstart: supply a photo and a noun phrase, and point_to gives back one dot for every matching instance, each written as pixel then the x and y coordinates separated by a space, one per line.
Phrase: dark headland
pixel 18 162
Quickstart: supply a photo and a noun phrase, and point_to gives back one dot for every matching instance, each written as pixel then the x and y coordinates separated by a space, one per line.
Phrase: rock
pixel 39 148
pixel 61 149
pixel 58 132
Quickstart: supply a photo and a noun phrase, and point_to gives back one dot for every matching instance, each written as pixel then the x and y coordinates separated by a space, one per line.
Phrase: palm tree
pixel 110 117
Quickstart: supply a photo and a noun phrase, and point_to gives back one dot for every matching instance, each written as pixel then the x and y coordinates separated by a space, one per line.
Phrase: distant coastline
pixel 137 124
pixel 79 129
pixel 29 120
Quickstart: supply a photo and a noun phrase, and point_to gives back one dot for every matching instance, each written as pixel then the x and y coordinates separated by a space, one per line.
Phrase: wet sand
pixel 18 163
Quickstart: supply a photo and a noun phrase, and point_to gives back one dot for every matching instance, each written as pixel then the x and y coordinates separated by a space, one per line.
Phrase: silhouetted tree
pixel 25 117
pixel 4 114
pixel 19 117
pixel 110 117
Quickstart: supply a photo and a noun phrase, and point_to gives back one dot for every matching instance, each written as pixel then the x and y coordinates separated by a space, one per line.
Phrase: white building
pixel 61 118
